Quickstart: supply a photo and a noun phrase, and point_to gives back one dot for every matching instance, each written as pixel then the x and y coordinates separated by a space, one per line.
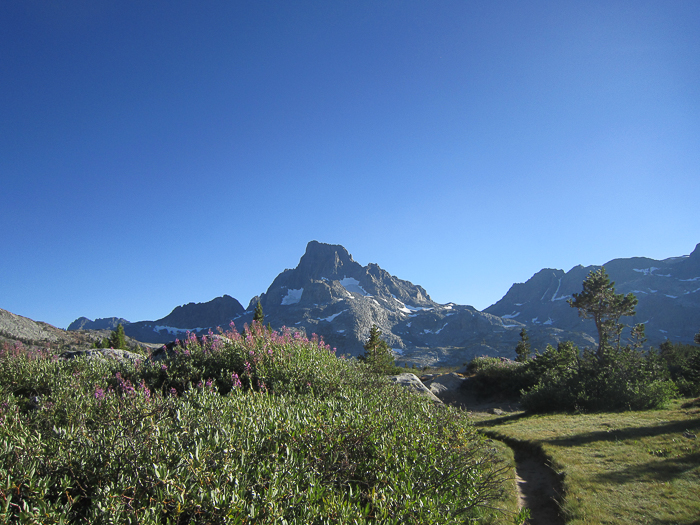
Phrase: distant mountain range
pixel 332 295
pixel 668 292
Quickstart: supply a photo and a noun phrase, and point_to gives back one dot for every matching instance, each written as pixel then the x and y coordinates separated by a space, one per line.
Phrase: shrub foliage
pixel 259 427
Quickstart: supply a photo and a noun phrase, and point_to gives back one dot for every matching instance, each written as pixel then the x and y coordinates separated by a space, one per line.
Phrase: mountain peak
pixel 326 260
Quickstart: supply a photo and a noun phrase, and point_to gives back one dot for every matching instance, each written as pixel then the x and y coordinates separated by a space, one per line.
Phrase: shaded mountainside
pixel 37 335
pixel 668 292
pixel 192 317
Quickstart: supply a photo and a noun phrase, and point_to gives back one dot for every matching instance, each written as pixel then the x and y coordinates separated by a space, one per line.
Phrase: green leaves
pixel 325 442
pixel 598 301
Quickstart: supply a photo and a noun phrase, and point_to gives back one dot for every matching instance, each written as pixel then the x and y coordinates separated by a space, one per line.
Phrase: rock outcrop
pixel 414 384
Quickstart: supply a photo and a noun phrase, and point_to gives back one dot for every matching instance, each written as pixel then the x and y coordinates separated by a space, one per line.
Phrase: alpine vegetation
pixel 612 376
pixel 253 427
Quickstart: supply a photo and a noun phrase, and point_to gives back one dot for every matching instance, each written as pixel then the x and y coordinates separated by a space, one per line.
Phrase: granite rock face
pixel 36 335
pixel 668 292
pixel 107 323
pixel 414 384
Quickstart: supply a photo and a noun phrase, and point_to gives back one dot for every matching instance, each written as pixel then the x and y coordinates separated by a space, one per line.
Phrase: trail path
pixel 536 482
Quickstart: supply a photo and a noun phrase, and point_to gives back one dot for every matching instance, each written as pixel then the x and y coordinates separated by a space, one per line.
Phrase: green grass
pixel 639 467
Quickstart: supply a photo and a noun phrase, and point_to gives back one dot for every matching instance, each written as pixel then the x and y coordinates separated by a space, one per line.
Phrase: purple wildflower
pixel 99 393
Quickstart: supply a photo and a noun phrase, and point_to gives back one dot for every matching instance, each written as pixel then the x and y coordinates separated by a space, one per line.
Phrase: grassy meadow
pixel 636 467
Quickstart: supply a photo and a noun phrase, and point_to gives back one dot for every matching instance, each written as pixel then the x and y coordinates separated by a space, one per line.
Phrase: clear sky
pixel 164 152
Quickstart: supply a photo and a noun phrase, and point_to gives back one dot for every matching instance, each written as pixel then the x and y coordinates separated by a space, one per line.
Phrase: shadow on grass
pixel 659 470
pixel 494 422
pixel 624 433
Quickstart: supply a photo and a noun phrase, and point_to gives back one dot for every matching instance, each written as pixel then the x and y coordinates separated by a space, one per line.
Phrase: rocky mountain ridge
pixel 332 295
pixel 668 292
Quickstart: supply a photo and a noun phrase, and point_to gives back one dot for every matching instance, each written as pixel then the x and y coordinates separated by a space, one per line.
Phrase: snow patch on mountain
pixel 646 271
pixel 353 285
pixel 175 331
pixel 511 316
pixel 331 317
pixel 292 297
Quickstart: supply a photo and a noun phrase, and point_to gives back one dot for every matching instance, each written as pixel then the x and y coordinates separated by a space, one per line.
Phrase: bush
pixel 683 362
pixel 564 379
pixel 254 428
pixel 499 376
pixel 623 379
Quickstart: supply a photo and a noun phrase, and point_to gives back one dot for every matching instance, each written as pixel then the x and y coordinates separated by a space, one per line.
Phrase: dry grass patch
pixel 624 467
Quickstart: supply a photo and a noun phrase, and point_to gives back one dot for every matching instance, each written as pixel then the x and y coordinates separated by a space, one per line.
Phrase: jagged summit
pixel 326 260
pixel 327 273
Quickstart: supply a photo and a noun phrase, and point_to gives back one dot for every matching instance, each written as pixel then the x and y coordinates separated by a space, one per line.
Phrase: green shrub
pixel 564 379
pixel 683 362
pixel 496 376
pixel 296 436
pixel 623 379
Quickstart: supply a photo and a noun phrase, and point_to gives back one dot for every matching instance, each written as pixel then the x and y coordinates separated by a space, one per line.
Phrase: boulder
pixel 414 384
pixel 104 354
pixel 445 384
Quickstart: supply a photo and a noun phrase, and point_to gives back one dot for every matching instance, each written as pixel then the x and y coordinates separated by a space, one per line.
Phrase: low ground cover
pixel 260 427
pixel 640 467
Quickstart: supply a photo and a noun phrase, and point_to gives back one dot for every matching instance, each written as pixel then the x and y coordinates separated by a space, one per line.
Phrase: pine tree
pixel 697 338
pixel 118 338
pixel 377 353
pixel 523 349
pixel 258 316
pixel 598 301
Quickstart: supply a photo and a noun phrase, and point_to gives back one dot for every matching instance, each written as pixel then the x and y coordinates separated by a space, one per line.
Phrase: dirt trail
pixel 536 482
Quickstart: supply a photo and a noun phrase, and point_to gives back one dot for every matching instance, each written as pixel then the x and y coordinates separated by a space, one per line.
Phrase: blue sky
pixel 158 153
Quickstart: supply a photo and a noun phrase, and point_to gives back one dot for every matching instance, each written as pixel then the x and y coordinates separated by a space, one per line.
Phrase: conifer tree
pixel 598 301
pixel 377 353
pixel 118 338
pixel 523 349
pixel 258 316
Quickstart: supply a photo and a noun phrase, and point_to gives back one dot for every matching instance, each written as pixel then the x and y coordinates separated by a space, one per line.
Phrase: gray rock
pixel 104 354
pixel 446 384
pixel 25 329
pixel 668 292
pixel 414 384
pixel 106 323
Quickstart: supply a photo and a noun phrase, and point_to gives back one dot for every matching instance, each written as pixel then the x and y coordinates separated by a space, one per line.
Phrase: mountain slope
pixel 332 295
pixel 668 292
